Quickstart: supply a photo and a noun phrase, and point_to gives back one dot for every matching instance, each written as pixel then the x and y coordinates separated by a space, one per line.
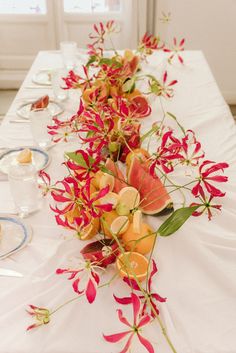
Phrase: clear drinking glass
pixel 60 94
pixel 24 188
pixel 39 120
pixel 68 51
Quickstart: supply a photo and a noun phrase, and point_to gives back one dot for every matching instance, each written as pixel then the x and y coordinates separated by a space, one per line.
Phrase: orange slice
pixel 119 225
pixel 25 156
pixel 132 265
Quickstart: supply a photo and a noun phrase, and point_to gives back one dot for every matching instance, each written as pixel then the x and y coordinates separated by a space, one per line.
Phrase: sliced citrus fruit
pixel 111 198
pixel 25 156
pixel 130 197
pixel 106 221
pixel 107 179
pixel 141 242
pixel 90 230
pixel 95 181
pixel 132 265
pixel 119 225
pixel 137 221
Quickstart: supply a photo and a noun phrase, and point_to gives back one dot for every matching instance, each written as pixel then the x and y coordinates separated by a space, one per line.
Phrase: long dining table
pixel 197 265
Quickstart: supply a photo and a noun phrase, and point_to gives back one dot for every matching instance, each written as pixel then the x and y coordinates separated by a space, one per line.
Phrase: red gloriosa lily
pixel 139 322
pixel 153 297
pixel 205 177
pixel 42 316
pixel 85 272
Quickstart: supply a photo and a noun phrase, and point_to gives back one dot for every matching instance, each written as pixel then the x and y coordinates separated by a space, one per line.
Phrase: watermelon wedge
pixel 40 103
pixel 119 177
pixel 154 196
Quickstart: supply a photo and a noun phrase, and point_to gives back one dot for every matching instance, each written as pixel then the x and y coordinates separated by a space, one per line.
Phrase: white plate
pixel 24 109
pixel 43 78
pixel 15 235
pixel 40 158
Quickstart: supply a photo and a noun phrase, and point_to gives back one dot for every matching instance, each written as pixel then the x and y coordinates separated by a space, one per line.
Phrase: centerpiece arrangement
pixel 121 173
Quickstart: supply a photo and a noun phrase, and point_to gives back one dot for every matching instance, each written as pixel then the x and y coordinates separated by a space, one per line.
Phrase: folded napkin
pixel 16 136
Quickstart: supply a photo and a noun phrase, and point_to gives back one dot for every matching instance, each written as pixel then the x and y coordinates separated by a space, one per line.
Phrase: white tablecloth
pixel 197 265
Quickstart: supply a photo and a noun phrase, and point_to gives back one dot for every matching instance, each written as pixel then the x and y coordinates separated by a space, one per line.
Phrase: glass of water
pixel 68 51
pixel 39 120
pixel 60 94
pixel 24 188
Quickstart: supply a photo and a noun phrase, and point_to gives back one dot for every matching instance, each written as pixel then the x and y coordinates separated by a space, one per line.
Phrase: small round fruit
pixel 132 265
pixel 142 242
pixel 119 225
pixel 106 221
pixel 130 197
pixel 122 209
pixel 113 146
pixel 138 152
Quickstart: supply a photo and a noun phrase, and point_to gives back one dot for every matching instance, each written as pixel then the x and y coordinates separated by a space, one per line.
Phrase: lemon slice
pixel 111 197
pixel 119 225
pixel 107 179
pixel 137 221
pixel 130 197
pixel 25 156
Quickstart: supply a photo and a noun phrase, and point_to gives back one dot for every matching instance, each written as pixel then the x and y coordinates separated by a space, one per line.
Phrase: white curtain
pixel 143 18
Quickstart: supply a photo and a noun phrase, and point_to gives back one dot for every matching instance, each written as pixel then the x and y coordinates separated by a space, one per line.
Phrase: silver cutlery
pixel 10 273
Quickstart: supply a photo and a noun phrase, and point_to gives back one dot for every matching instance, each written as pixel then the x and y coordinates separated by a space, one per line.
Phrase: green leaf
pixel 175 221
pixel 78 159
pixel 91 60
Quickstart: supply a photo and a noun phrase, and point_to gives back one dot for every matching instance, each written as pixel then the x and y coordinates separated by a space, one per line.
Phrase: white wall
pixel 209 25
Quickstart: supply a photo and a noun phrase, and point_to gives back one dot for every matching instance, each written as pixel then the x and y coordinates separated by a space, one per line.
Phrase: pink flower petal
pixel 91 291
pixel 146 344
pixel 136 306
pixel 122 318
pixel 116 337
pixel 123 301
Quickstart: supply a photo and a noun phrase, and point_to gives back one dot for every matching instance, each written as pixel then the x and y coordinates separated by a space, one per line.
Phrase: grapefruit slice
pixel 132 265
pixel 119 177
pixel 154 196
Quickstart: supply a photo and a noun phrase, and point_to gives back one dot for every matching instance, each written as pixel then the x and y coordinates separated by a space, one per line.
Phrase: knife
pixel 10 273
